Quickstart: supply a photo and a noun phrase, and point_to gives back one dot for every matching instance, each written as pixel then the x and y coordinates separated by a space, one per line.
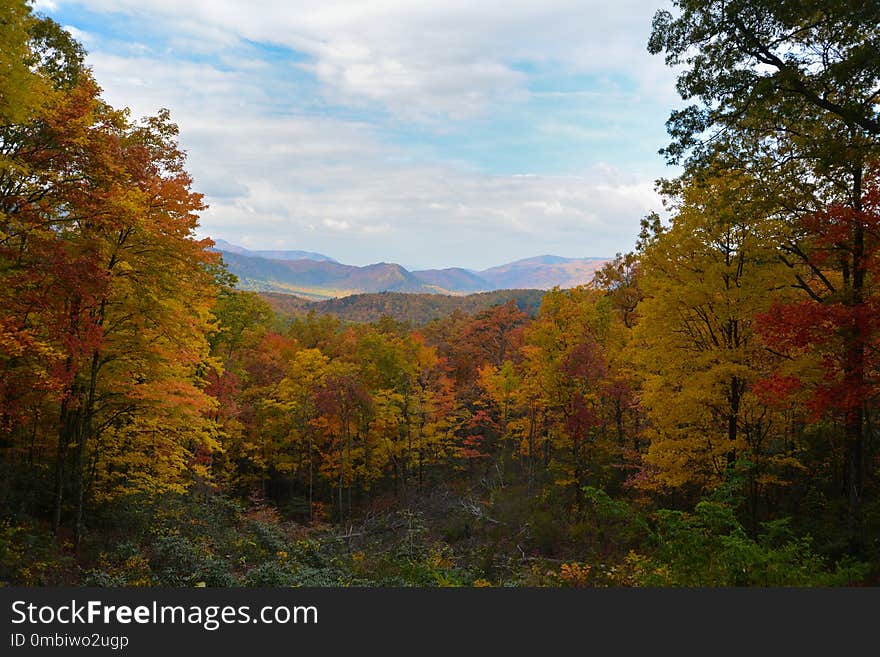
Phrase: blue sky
pixel 432 134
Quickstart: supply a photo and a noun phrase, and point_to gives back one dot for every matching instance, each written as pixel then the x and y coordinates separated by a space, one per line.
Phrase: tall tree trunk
pixel 82 444
pixel 854 375
pixel 79 482
pixel 532 429
pixel 60 458
pixel 311 482
pixel 733 400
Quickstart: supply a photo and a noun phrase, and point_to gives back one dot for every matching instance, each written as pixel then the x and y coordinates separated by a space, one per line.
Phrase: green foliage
pixel 709 547
pixel 269 574
pixel 29 556
pixel 759 68
pixel 614 524
pixel 182 561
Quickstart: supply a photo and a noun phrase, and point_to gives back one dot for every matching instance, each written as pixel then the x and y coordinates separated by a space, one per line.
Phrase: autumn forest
pixel 704 413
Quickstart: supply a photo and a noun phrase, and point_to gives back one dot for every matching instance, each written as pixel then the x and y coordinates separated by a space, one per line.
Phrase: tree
pixel 42 113
pixel 705 278
pixel 766 68
pixel 20 85
pixel 565 360
pixel 294 430
pixel 146 326
pixel 619 279
pixel 787 91
pixel 829 336
pixel 105 292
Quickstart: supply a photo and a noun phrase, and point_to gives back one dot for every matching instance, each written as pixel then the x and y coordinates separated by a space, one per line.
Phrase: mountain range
pixel 315 276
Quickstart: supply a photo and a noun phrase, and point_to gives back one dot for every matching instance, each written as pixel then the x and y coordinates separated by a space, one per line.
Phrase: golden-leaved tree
pixel 105 293
pixel 704 279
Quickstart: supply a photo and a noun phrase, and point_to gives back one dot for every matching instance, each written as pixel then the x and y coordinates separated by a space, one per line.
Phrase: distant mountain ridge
pixel 543 272
pixel 223 245
pixel 315 276
pixel 453 279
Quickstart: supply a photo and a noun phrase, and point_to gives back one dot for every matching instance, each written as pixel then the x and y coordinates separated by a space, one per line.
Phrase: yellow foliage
pixel 574 574
pixel 705 279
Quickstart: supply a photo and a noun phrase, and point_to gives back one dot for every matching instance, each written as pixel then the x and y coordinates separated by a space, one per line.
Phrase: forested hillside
pixel 703 414
pixel 417 309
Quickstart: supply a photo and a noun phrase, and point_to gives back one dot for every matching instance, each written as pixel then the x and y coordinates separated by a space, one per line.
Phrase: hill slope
pixel 417 309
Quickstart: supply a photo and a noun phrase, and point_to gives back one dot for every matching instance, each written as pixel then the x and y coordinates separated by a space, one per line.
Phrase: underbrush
pixel 449 540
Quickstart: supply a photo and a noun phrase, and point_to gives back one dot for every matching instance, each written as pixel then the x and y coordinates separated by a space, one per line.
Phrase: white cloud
pixel 420 59
pixel 293 177
pixel 80 35
pixel 362 206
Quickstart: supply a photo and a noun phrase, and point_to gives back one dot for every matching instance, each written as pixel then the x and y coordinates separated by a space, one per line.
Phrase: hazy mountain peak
pixel 223 245
pixel 271 254
pixel 543 260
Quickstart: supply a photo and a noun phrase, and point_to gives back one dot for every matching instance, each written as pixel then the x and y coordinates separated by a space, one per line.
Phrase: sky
pixel 432 134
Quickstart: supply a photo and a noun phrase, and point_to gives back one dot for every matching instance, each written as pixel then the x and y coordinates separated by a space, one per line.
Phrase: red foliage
pixel 776 390
pixel 471 448
pixel 225 388
pixel 839 322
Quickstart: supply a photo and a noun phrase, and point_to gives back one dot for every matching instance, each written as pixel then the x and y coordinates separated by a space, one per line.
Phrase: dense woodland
pixel 416 309
pixel 704 413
